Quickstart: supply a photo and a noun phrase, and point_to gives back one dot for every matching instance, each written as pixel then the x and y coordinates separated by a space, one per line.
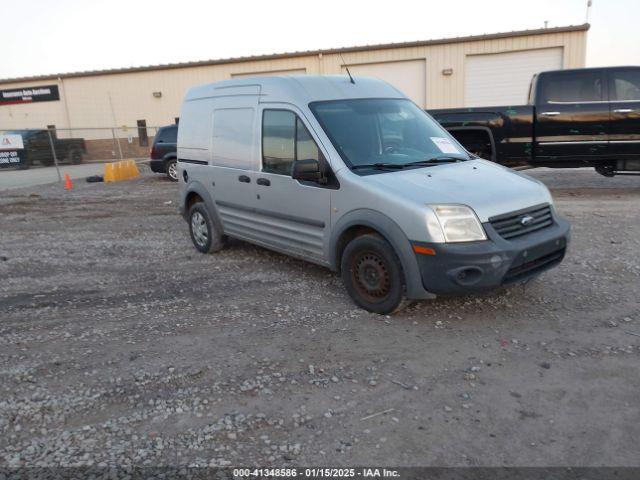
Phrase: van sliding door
pixel 233 170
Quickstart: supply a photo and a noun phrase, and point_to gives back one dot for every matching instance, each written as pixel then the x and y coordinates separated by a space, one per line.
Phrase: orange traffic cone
pixel 67 182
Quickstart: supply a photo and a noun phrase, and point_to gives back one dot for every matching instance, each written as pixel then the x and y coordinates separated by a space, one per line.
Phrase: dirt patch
pixel 121 345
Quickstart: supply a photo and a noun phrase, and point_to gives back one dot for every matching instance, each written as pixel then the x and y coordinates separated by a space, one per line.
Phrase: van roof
pixel 592 69
pixel 298 89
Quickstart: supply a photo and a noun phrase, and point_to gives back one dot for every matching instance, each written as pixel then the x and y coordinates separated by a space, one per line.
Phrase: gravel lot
pixel 121 345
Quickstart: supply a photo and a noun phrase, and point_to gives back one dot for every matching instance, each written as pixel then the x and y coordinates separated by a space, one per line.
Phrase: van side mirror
pixel 306 170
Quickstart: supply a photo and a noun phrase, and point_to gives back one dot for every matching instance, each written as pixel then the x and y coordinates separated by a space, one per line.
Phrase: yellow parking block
pixel 110 172
pixel 122 170
pixel 131 169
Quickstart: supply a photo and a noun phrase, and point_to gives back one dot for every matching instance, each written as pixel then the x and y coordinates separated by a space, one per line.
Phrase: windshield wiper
pixel 379 165
pixel 400 166
pixel 439 159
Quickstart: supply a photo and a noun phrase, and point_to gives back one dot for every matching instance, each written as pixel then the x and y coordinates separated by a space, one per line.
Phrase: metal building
pixel 453 72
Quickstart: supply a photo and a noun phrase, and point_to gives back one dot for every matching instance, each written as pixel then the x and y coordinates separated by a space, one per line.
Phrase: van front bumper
pixel 461 268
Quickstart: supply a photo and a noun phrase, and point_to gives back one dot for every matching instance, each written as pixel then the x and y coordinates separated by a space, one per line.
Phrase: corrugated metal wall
pixel 122 98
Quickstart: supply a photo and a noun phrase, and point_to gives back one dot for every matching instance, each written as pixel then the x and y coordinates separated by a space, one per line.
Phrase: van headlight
pixel 459 223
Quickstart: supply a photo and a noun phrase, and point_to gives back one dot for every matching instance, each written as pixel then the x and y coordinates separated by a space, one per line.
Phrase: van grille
pixel 511 225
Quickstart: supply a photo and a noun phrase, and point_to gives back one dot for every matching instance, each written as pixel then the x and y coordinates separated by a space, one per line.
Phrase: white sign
pixel 11 142
pixel 9 158
pixel 445 145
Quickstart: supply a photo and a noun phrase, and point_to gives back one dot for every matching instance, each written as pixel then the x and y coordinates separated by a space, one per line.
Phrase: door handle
pixel 264 182
pixel 244 179
pixel 550 114
pixel 623 110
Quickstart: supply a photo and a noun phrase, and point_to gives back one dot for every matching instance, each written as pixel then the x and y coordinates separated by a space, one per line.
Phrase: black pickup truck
pixel 37 148
pixel 574 118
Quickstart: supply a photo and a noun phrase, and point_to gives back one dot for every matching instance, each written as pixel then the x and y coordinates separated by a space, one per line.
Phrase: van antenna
pixel 347 68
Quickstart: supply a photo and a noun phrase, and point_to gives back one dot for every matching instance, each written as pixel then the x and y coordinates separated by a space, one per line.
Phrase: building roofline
pixel 275 56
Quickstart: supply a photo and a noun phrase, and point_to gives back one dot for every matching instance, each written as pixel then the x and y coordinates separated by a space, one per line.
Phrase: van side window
pixel 232 142
pixel 573 87
pixel 284 140
pixel 278 141
pixel 306 147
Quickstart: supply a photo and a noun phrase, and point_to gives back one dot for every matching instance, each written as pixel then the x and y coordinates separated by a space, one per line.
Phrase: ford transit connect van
pixel 354 176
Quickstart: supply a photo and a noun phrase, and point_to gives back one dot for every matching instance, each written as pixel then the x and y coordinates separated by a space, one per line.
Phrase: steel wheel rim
pixel 173 170
pixel 199 229
pixel 371 276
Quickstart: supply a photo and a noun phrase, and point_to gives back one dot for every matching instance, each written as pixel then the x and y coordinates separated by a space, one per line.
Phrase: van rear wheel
pixel 206 237
pixel 372 274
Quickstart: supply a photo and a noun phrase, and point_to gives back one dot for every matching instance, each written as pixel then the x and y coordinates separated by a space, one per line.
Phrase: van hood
pixel 489 189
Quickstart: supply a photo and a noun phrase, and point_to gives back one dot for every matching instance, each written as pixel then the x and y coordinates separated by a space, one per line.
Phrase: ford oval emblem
pixel 526 220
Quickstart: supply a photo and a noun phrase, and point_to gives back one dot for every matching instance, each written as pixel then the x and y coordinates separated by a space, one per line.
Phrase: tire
pixel 172 170
pixel 606 170
pixel 372 274
pixel 205 235
pixel 75 157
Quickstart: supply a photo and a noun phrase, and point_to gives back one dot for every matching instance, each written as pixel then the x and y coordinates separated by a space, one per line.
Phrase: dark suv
pixel 163 152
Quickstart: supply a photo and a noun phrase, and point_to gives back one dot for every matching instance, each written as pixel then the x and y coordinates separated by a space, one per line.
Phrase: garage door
pixel 271 73
pixel 503 78
pixel 408 76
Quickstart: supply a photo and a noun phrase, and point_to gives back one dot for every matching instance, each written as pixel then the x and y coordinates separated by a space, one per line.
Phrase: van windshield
pixel 385 134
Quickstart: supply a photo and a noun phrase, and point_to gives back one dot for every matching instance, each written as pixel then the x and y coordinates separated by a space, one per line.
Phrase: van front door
pixel 290 216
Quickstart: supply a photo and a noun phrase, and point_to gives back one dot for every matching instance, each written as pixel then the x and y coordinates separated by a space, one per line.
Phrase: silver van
pixel 352 175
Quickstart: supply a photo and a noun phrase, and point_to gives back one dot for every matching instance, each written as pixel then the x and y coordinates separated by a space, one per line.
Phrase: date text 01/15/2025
pixel 313 473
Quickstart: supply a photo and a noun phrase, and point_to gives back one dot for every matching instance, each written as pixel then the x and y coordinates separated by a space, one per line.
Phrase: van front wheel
pixel 204 234
pixel 372 274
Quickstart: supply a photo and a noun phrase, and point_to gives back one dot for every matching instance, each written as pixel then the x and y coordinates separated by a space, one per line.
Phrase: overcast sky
pixel 57 36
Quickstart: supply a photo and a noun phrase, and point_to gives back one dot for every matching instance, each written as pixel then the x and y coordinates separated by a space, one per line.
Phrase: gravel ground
pixel 121 345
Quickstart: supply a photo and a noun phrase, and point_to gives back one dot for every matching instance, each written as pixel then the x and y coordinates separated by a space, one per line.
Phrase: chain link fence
pixel 26 148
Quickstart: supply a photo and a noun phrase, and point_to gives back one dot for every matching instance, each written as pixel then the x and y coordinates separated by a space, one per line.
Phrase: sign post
pixel 117 141
pixel 55 157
